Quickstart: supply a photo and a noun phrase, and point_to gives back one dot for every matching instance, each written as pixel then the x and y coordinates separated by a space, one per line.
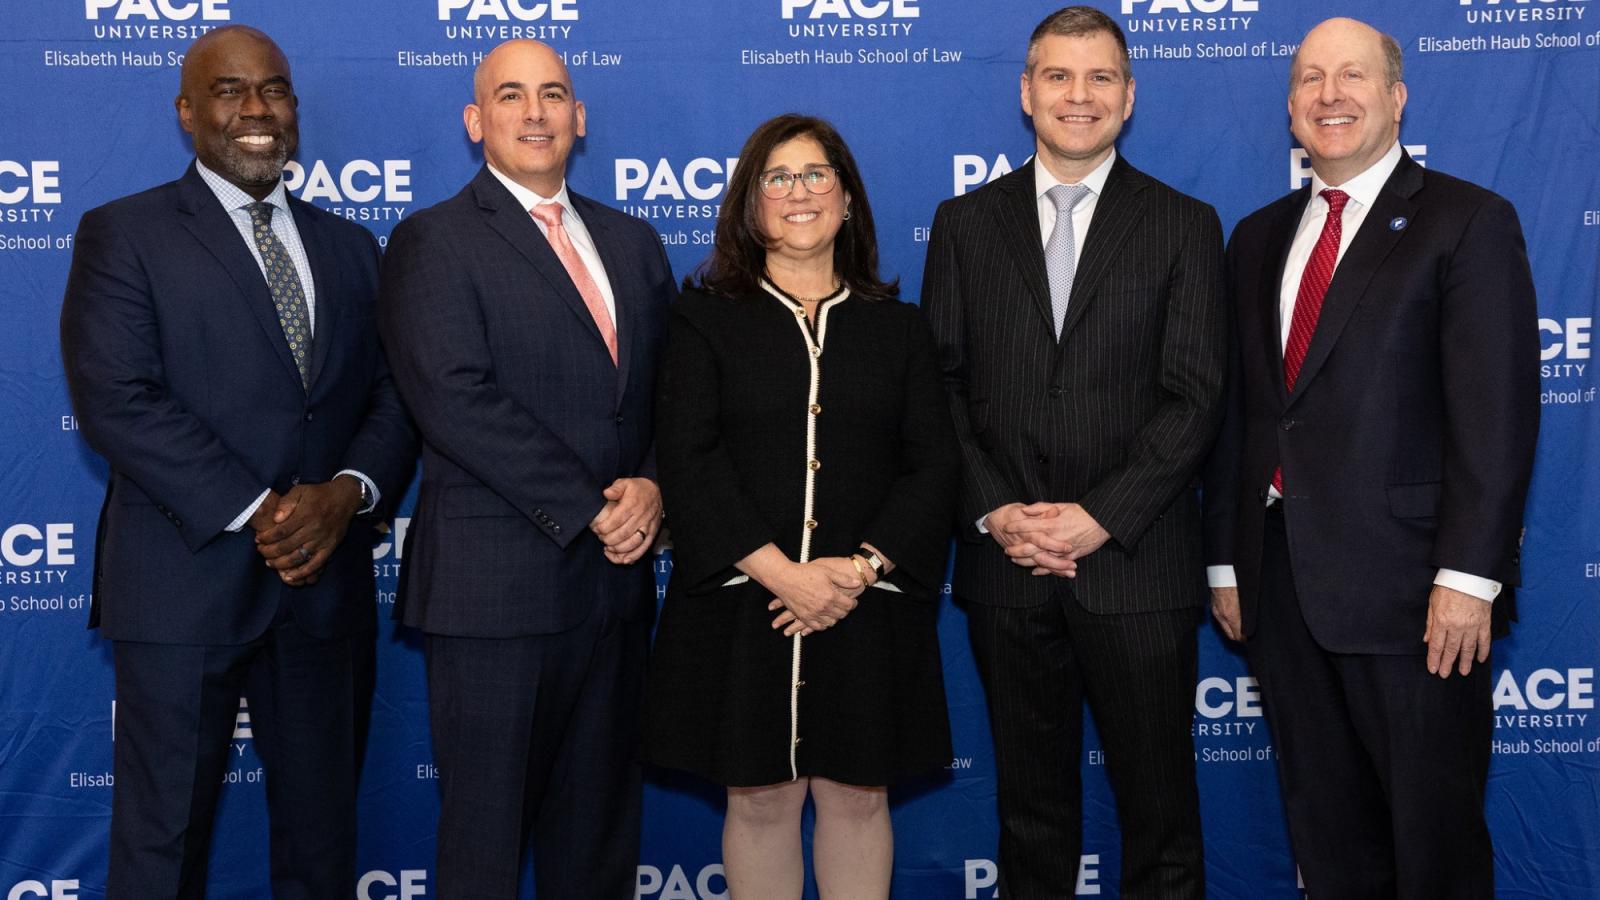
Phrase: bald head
pixel 221 44
pixel 1353 32
pixel 513 57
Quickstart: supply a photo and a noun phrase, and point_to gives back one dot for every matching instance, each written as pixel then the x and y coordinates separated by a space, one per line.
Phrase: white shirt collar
pixel 1044 179
pixel 1364 188
pixel 529 199
pixel 232 197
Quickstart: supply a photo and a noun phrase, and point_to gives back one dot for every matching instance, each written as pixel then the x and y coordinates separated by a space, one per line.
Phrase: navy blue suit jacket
pixel 1407 445
pixel 523 416
pixel 181 378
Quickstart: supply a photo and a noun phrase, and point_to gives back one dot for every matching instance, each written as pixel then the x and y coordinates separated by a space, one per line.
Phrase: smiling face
pixel 525 115
pixel 237 102
pixel 1078 96
pixel 1341 106
pixel 801 225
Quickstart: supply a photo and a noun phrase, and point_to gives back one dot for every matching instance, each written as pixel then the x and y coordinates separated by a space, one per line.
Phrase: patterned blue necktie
pixel 1060 258
pixel 288 295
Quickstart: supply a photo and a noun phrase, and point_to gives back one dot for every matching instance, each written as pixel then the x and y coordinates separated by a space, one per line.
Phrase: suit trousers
pixel 538 735
pixel 177 707
pixel 1137 672
pixel 1383 766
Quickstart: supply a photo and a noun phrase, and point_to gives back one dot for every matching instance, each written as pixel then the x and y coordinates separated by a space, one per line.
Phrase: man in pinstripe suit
pixel 1079 309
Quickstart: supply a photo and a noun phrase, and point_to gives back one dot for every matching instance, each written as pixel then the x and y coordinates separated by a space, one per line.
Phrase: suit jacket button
pixel 177 521
pixel 1055 392
pixel 556 528
pixel 1044 458
pixel 1287 424
pixel 309 417
pixel 619 420
pixel 295 478
pixel 163 509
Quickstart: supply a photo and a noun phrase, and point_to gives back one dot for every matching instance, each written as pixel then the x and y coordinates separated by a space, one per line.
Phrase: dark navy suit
pixel 182 379
pixel 536 642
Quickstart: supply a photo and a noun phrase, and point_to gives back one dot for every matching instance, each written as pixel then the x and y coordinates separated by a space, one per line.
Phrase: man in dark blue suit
pixel 220 350
pixel 524 324
pixel 1365 500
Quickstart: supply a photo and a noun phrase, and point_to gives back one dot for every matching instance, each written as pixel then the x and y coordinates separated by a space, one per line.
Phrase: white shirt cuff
pixel 372 490
pixel 238 524
pixel 1221 577
pixel 1482 588
pixel 982 528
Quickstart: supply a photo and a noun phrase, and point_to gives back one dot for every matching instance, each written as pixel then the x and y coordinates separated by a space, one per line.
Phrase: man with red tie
pixel 524 322
pixel 1364 505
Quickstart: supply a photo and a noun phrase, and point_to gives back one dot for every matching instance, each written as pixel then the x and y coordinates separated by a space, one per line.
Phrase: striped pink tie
pixel 550 215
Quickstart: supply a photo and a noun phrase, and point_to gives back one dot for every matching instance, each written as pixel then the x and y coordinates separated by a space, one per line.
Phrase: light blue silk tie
pixel 1060 259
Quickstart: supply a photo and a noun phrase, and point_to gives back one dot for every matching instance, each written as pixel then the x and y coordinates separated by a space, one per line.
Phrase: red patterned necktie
pixel 550 215
pixel 1308 299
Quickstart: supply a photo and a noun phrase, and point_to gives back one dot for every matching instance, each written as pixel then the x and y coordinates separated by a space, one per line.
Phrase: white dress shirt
pixel 573 223
pixel 1363 190
pixel 237 204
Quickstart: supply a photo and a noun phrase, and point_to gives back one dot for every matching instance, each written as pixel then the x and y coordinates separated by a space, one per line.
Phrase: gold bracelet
pixel 856 561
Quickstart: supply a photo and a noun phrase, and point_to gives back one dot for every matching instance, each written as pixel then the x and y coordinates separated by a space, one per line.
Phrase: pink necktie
pixel 550 215
pixel 1308 298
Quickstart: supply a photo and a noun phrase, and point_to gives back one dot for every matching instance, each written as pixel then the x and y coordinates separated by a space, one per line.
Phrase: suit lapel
pixel 209 223
pixel 1120 206
pixel 620 273
pixel 1281 236
pixel 1367 251
pixel 328 307
pixel 1017 214
pixel 516 226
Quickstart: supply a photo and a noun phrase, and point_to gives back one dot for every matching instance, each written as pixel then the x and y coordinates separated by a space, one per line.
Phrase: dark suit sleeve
pixel 714 522
pixel 111 348
pixel 1220 475
pixel 385 446
pixel 1167 451
pixel 1489 348
pixel 983 488
pixel 434 332
pixel 913 527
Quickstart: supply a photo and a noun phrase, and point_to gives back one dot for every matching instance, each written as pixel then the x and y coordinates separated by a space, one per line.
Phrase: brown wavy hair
pixel 739 258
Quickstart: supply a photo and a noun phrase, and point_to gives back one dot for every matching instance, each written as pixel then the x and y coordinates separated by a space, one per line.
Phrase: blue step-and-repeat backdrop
pixel 1505 93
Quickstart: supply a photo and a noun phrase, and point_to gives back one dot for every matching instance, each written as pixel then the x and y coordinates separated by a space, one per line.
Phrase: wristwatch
pixel 873 560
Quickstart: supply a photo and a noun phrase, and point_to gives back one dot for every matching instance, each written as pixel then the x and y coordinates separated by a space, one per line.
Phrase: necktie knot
pixel 260 214
pixel 548 213
pixel 1067 197
pixel 1336 200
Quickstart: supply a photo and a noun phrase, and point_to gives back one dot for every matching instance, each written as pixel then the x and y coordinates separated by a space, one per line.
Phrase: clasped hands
pixel 815 595
pixel 1047 538
pixel 297 531
pixel 628 523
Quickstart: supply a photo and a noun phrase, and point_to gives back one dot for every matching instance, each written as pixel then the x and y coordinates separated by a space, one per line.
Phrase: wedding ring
pixel 305 555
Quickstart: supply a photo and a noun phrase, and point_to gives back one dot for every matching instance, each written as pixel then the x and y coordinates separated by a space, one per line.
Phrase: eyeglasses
pixel 779 183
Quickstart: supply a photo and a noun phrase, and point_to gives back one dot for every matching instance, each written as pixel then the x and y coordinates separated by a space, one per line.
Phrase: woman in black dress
pixel 808 468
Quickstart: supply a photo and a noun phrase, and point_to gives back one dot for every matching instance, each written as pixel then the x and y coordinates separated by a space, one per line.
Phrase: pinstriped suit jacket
pixel 1117 415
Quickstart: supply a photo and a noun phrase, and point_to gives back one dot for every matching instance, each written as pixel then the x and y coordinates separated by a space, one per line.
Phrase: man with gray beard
pixel 219 348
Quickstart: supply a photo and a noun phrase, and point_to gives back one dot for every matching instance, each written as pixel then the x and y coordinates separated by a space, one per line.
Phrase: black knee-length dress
pixel 814 437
